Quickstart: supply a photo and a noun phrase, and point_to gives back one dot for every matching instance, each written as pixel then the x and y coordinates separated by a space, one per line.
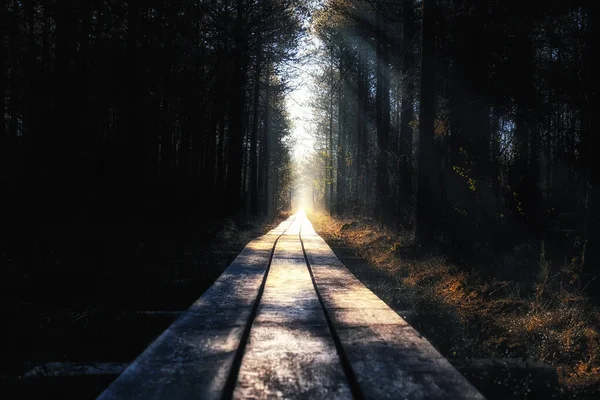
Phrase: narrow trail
pixel 288 320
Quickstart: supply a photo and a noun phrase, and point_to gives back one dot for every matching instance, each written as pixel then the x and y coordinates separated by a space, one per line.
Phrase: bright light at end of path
pixel 299 99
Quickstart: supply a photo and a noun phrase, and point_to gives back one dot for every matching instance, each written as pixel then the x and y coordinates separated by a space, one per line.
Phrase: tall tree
pixel 254 135
pixel 407 113
pixel 233 190
pixel 382 113
pixel 426 192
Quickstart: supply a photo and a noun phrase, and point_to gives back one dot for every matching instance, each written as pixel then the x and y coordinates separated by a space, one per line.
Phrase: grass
pixel 469 314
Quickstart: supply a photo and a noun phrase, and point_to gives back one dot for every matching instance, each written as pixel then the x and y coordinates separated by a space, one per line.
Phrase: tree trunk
pixel 407 114
pixel 527 165
pixel 233 188
pixel 167 126
pixel 341 145
pixel 221 156
pixel 65 126
pixel 426 199
pixel 589 146
pixel 254 134
pixel 245 165
pixel 361 123
pixel 329 167
pixel 382 103
pixel 267 146
pixel 3 89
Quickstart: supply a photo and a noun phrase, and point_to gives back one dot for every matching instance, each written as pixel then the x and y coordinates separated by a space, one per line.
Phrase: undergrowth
pixel 469 314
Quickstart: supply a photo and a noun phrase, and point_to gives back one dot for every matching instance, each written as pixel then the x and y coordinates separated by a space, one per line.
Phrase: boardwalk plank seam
pixel 235 368
pixel 346 366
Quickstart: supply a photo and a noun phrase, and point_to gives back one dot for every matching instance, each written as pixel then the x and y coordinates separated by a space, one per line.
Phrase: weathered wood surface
pixel 297 325
pixel 390 360
pixel 290 351
pixel 53 369
pixel 194 356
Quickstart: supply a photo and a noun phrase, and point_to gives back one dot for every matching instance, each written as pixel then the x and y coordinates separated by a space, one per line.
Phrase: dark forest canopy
pixel 127 123
pixel 112 105
pixel 469 121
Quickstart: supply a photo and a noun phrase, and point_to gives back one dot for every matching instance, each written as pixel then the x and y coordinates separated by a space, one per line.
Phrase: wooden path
pixel 287 320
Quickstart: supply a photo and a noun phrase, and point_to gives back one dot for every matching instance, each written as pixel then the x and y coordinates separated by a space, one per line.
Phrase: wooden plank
pixel 390 360
pixel 61 368
pixel 194 356
pixel 290 352
pixel 288 245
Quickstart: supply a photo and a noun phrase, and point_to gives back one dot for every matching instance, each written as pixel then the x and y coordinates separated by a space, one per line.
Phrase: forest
pixel 455 145
pixel 118 112
pixel 130 130
pixel 469 121
pixel 128 125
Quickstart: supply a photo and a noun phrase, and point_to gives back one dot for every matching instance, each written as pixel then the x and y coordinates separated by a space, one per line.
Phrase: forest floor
pixel 173 264
pixel 470 315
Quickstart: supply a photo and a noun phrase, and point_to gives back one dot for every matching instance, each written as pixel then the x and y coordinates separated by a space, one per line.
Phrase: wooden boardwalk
pixel 288 320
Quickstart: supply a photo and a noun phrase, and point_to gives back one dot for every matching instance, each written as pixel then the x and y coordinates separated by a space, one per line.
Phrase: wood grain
pixel 290 353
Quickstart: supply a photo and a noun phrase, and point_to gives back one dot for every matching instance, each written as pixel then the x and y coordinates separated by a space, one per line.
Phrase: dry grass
pixel 466 315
